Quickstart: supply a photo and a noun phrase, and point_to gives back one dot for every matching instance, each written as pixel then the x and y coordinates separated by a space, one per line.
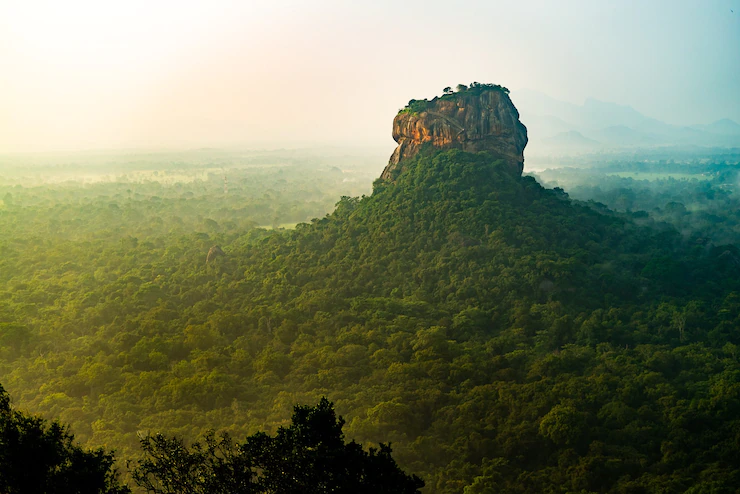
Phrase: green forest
pixel 570 331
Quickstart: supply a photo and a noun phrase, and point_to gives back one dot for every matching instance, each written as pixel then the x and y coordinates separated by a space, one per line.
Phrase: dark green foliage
pixel 308 457
pixel 215 466
pixel 503 336
pixel 41 457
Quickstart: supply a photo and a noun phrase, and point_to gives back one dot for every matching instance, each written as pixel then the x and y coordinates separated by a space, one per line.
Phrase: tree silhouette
pixel 41 457
pixel 309 457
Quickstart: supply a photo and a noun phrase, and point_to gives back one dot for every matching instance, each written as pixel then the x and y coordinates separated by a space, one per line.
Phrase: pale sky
pixel 78 75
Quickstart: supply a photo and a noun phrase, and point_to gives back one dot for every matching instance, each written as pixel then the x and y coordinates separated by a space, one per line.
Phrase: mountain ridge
pixel 593 119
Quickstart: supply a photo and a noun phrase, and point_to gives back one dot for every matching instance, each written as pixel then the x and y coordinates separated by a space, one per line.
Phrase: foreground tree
pixel 310 456
pixel 215 466
pixel 41 457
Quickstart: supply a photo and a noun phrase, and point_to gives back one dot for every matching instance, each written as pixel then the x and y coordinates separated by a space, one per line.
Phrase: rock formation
pixel 479 118
pixel 213 253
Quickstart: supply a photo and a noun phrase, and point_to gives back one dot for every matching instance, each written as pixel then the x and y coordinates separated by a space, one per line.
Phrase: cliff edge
pixel 476 118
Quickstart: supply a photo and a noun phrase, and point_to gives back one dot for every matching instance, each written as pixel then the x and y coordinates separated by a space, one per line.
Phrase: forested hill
pixel 459 228
pixel 509 340
pixel 497 334
pixel 502 337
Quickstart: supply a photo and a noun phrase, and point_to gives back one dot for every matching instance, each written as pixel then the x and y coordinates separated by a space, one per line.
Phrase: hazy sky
pixel 179 74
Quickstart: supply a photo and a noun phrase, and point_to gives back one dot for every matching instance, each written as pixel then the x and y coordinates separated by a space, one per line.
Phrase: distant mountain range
pixel 560 128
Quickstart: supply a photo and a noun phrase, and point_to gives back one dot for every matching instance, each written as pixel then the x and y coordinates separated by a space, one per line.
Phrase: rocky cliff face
pixel 475 119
